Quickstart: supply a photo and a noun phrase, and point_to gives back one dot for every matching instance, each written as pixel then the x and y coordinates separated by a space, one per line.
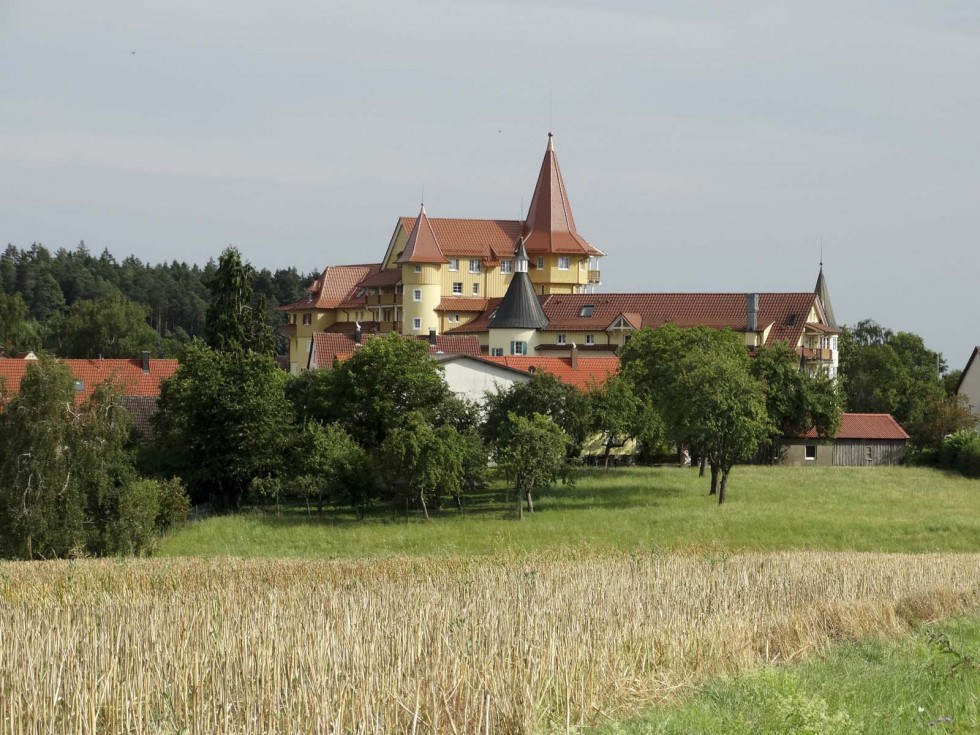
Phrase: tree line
pixel 77 305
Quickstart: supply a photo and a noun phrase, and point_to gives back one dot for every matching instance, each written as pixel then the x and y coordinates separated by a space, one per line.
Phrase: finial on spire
pixel 551 141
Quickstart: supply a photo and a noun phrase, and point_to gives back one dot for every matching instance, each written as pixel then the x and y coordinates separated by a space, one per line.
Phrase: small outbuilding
pixel 864 440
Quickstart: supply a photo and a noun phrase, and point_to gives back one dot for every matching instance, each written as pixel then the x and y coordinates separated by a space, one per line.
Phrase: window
pixel 561 339
pixel 476 289
pixel 307 319
pixel 292 318
pixel 564 263
pixel 587 310
pixel 418 269
pixel 506 266
pixel 540 262
pixel 457 288
pixel 581 265
pixel 454 264
pixel 417 294
pixel 868 456
pixel 456 318
pixel 416 323
pixel 590 339
pixel 497 352
pixel 811 452
pixel 474 265
pixel 518 348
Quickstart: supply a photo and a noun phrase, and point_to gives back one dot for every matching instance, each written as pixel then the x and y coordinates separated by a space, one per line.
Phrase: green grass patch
pixel 928 682
pixel 768 508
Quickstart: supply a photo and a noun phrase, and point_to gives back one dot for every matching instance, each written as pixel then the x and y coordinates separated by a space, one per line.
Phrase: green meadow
pixel 893 509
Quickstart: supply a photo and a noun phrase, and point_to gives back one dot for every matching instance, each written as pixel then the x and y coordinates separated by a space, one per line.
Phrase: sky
pixel 705 146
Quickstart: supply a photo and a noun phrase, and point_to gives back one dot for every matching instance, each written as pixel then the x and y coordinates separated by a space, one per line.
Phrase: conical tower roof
pixel 550 226
pixel 520 308
pixel 824 295
pixel 422 245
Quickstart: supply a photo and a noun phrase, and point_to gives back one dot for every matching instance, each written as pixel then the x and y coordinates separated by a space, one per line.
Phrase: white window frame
pixel 457 288
pixel 540 263
pixel 518 347
pixel 564 263
pixel 476 289
pixel 418 269
pixel 497 352
pixel 506 266
pixel 417 295
pixel 417 324
pixel 307 319
pixel 454 264
pixel 475 265
pixel 590 339
pixel 806 452
pixel 561 339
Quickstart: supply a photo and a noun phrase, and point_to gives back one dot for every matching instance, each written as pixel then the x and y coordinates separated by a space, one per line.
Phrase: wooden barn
pixel 864 440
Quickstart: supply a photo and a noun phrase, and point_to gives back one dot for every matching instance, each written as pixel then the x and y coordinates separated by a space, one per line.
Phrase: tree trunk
pixel 704 461
pixel 520 506
pixel 425 509
pixel 723 487
pixel 608 450
pixel 459 503
pixel 530 502
pixel 714 479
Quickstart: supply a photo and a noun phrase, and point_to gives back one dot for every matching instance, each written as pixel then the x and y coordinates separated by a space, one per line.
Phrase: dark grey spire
pixel 520 308
pixel 824 295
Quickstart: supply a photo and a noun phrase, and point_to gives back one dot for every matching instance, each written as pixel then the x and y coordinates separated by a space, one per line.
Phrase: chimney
pixel 573 353
pixel 432 338
pixel 357 333
pixel 752 312
pixel 145 361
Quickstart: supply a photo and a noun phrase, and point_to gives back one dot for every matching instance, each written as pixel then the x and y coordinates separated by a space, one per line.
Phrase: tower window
pixel 506 266
pixel 416 324
pixel 417 294
pixel 476 289
pixel 564 263
pixel 418 269
pixel 307 319
pixel 540 262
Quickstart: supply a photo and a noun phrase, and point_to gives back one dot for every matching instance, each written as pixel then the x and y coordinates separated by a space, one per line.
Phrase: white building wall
pixel 970 385
pixel 473 379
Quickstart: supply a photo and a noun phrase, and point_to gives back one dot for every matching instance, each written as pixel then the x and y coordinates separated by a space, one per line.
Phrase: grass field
pixel 769 508
pixel 928 682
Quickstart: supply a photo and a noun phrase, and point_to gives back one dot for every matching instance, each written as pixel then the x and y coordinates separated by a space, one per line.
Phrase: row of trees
pixel 74 304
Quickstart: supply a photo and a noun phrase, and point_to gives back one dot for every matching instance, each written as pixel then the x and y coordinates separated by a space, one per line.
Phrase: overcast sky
pixel 706 146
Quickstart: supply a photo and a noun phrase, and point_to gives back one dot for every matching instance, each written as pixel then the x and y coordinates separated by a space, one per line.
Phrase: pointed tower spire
pixel 824 297
pixel 550 226
pixel 520 308
pixel 422 245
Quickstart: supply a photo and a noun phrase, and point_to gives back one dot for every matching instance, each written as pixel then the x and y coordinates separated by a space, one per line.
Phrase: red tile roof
pixel 336 285
pixel 490 239
pixel 590 370
pixel 786 312
pixel 389 277
pixel 330 345
pixel 461 303
pixel 128 375
pixel 550 227
pixel 422 245
pixel 867 426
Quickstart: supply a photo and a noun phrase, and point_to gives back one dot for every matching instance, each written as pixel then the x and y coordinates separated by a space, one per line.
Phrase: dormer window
pixel 587 310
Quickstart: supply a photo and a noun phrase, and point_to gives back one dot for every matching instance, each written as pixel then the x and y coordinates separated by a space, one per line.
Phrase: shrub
pixel 144 509
pixel 968 459
pixel 952 444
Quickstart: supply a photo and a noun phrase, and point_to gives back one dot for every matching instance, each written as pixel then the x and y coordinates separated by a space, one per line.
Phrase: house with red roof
pixel 137 380
pixel 864 440
pixel 531 288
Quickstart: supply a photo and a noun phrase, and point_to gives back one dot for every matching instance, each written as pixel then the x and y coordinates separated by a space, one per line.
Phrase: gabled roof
pixel 489 239
pixel 128 375
pixel 589 370
pixel 969 363
pixel 786 312
pixel 336 285
pixel 390 277
pixel 422 245
pixel 867 426
pixel 550 226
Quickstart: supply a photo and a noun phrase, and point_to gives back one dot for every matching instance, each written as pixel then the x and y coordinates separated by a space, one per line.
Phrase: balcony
pixel 384 299
pixel 594 277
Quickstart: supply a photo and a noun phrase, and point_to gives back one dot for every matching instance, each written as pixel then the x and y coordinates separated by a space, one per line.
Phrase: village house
pixel 969 384
pixel 864 440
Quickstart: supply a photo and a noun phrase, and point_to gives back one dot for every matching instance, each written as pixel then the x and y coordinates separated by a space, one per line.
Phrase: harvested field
pixel 449 645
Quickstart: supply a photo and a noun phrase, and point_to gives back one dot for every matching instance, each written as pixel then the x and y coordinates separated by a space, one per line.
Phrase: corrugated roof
pixel 490 239
pixel 422 245
pixel 550 226
pixel 867 426
pixel 128 375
